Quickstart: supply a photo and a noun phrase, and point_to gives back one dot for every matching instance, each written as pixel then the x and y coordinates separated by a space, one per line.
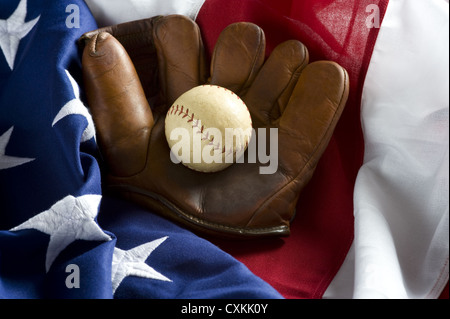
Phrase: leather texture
pixel 302 100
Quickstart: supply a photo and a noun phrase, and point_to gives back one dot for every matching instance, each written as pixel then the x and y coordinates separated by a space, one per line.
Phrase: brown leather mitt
pixel 302 101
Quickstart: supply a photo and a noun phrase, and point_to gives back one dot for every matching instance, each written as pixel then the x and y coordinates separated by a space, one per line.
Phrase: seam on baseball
pixel 184 113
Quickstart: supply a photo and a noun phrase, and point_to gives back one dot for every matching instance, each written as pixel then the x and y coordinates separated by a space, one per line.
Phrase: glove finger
pixel 267 96
pixel 117 101
pixel 238 56
pixel 316 104
pixel 137 39
pixel 181 56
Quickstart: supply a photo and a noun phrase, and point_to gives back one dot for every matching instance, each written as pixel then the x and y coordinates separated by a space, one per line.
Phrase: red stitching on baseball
pixel 176 110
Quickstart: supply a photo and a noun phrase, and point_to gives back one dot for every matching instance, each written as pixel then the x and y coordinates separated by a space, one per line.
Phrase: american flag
pixel 372 223
pixel 59 236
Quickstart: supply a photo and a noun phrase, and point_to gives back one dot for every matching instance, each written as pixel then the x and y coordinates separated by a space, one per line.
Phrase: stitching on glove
pixel 231 230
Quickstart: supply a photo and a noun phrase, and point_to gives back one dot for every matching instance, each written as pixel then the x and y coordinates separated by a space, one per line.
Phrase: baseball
pixel 208 128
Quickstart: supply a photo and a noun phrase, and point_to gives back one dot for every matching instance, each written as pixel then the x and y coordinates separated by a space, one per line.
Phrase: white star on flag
pixel 12 30
pixel 69 219
pixel 132 263
pixel 75 106
pixel 9 161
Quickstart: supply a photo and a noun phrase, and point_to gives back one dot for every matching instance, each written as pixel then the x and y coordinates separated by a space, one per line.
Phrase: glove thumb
pixel 118 104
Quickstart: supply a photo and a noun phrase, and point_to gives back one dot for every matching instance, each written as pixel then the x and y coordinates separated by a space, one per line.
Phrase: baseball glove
pixel 129 98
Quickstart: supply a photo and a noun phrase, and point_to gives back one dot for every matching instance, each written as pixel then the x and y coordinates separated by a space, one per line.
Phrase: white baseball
pixel 208 128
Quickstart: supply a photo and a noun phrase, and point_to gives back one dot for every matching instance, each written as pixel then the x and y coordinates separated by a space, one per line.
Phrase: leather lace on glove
pixel 302 101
